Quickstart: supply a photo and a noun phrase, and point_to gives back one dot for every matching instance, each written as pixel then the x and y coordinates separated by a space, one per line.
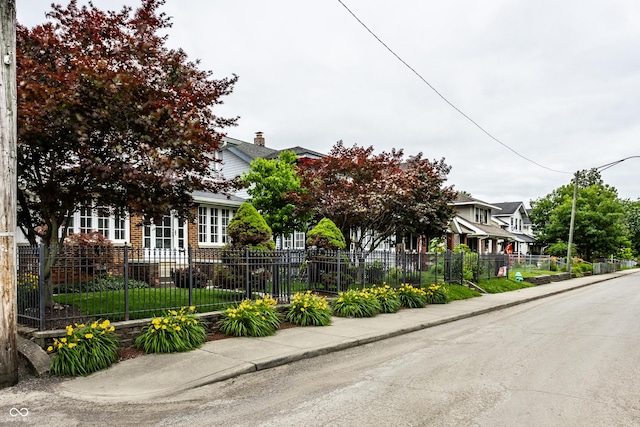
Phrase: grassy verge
pixel 503 284
pixel 458 292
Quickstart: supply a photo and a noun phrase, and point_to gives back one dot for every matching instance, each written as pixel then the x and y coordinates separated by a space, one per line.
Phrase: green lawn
pixel 148 302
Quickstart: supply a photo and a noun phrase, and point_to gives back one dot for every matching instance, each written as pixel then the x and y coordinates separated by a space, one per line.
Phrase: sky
pixel 557 83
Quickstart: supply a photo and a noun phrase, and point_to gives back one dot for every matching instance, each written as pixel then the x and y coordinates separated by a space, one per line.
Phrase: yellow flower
pixel 94 325
pixel 178 328
pixel 111 329
pixel 164 326
pixel 50 348
pixel 60 345
pixel 88 336
pixel 63 340
pixel 72 344
pixel 192 308
pixel 105 324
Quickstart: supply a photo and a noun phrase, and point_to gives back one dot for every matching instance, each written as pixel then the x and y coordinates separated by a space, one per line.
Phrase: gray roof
pixel 461 199
pixel 509 207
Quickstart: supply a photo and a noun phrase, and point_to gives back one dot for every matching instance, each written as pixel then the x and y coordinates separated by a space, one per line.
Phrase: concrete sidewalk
pixel 163 375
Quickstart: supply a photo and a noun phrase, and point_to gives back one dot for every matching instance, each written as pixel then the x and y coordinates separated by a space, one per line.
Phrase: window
pixel 294 241
pixel 113 227
pixel 481 215
pixel 212 224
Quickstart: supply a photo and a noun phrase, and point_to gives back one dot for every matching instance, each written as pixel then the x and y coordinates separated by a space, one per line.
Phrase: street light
pixel 573 204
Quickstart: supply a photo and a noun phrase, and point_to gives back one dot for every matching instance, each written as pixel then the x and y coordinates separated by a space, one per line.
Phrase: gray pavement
pixel 164 375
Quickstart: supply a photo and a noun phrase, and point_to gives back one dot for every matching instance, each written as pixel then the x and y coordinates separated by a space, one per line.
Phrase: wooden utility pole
pixel 8 190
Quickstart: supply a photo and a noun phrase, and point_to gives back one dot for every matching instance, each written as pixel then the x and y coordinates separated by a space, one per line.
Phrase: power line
pixel 444 98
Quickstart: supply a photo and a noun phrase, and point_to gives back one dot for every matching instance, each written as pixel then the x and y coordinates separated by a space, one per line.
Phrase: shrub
pixel 248 229
pixel 326 235
pixel 105 282
pixel 411 297
pixel 309 309
pixel 251 318
pixel 85 349
pixel 180 277
pixel 175 331
pixel 387 297
pixel 436 294
pixel 88 249
pixel 356 303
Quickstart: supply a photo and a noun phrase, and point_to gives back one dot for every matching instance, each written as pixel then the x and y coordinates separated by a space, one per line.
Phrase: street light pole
pixel 573 204
pixel 573 220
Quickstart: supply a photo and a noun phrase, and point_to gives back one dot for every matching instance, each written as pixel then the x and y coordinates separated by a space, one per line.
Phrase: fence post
pixel 338 268
pixel 190 262
pixel 247 273
pixel 477 275
pixel 437 270
pixel 41 286
pixel 125 261
pixel 308 263
pixel 462 260
pixel 420 267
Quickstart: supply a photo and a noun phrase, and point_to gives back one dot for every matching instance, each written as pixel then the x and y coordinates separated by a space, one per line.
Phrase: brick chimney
pixel 259 140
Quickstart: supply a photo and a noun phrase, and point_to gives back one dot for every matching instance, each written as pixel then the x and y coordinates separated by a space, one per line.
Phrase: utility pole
pixel 8 178
pixel 573 220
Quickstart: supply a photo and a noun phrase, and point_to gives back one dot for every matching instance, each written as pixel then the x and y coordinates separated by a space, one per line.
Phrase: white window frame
pixel 212 224
pixel 86 220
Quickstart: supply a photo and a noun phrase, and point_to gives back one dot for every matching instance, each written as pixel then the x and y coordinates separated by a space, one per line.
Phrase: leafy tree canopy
pixel 109 116
pixel 371 197
pixel 632 223
pixel 271 182
pixel 598 230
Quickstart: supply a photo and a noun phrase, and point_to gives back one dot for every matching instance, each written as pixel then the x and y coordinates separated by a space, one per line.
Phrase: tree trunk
pixel 8 176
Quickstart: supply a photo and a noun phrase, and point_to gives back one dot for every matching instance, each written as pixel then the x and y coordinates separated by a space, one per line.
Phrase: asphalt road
pixel 567 360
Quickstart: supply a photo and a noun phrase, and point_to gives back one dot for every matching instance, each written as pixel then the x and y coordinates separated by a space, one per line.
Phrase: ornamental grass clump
pixel 411 297
pixel 257 318
pixel 387 297
pixel 308 309
pixel 175 331
pixel 84 349
pixel 356 303
pixel 436 294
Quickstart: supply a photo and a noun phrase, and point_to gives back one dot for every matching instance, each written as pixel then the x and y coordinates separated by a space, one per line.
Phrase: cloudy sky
pixel 556 82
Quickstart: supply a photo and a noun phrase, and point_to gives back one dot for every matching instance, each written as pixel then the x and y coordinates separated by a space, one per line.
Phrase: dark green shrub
pixel 180 277
pixel 326 235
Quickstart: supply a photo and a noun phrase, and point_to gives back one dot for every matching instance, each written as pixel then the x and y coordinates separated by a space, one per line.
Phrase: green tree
pixel 270 184
pixel 632 222
pixel 599 228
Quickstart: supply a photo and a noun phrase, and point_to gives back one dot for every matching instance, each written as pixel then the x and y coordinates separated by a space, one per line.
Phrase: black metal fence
pixel 84 283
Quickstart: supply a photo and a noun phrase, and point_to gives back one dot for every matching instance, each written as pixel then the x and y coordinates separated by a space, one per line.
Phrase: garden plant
pixel 309 309
pixel 175 331
pixel 84 349
pixel 257 318
pixel 356 303
pixel 411 297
